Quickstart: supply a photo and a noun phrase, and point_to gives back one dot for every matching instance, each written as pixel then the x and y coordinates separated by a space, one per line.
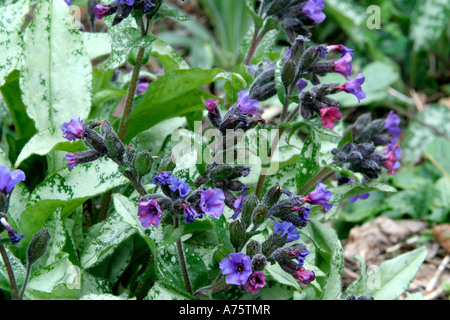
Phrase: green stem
pixel 12 278
pixel 182 260
pixel 323 172
pixel 27 277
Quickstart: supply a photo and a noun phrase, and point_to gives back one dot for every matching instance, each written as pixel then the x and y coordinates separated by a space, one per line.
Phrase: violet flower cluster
pixel 123 8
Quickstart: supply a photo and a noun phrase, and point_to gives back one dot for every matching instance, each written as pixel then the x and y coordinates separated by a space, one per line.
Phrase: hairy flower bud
pixel 248 207
pixel 253 248
pixel 272 196
pixel 116 149
pixel 143 163
pixel 38 246
pixel 259 262
pixel 288 73
pixel 237 234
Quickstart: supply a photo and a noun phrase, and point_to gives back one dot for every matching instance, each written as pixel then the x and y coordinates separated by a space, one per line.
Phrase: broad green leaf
pixel 67 188
pixel 329 257
pixel 121 45
pixel 61 279
pixel 11 19
pixel 308 161
pixel 97 44
pixel 429 20
pixel 18 268
pixel 56 86
pixel 160 291
pixel 174 94
pixel 111 234
pixel 391 279
pixel 12 95
pixel 437 151
pixel 169 58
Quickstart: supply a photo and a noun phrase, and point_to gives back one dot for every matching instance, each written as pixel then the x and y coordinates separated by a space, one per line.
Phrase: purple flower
pixel 142 85
pixel 8 180
pixel 237 268
pixel 163 177
pixel 212 202
pixel 362 196
pixel 301 84
pixel 13 235
pixel 100 11
pixel 303 212
pixel 149 212
pixel 300 255
pixel 190 213
pixel 354 87
pixel 72 160
pixel 73 129
pixel 286 228
pixel 237 206
pixel 304 276
pixel 211 105
pixel 68 2
pixel 148 5
pixel 247 105
pixel 343 50
pixel 329 116
pixel 319 196
pixel 313 9
pixel 287 56
pixel 344 65
pixel 180 185
pixel 391 125
pixel 128 2
pixel 255 283
pixel 398 153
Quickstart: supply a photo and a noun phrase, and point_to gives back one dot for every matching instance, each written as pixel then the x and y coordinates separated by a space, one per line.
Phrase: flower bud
pixel 272 196
pixel 38 246
pixel 237 234
pixel 253 248
pixel 273 243
pixel 288 73
pixel 94 140
pixel 143 163
pixel 259 215
pixel 248 206
pixel 259 262
pixel 116 149
pixel 220 172
pixel 166 164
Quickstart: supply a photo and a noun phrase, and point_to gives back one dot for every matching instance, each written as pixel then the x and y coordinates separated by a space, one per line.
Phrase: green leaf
pixel 11 19
pixel 391 279
pixel 67 188
pixel 111 234
pixel 429 20
pixel 165 11
pixel 168 57
pixel 122 44
pixel 97 44
pixel 12 94
pixel 56 86
pixel 437 152
pixel 18 269
pixel 329 257
pixel 174 94
pixel 308 162
pixel 61 279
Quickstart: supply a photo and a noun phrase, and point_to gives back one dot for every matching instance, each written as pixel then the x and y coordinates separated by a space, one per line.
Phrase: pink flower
pixel 149 213
pixel 329 116
pixel 255 283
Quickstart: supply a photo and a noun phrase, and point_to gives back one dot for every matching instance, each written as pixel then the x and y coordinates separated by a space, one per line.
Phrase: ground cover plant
pixel 221 150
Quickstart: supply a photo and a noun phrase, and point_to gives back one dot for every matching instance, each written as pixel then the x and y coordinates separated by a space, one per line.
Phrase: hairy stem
pixel 12 278
pixel 131 92
pixel 27 277
pixel 182 260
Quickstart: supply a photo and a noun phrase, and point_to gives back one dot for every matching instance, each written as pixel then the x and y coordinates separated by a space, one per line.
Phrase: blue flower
pixel 8 180
pixel 164 177
pixel 247 105
pixel 212 202
pixel 237 268
pixel 13 235
pixel 180 185
pixel 319 196
pixel 286 228
pixel 237 206
pixel 149 213
pixel 313 9
pixel 73 129
pixel 354 87
pixel 190 213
